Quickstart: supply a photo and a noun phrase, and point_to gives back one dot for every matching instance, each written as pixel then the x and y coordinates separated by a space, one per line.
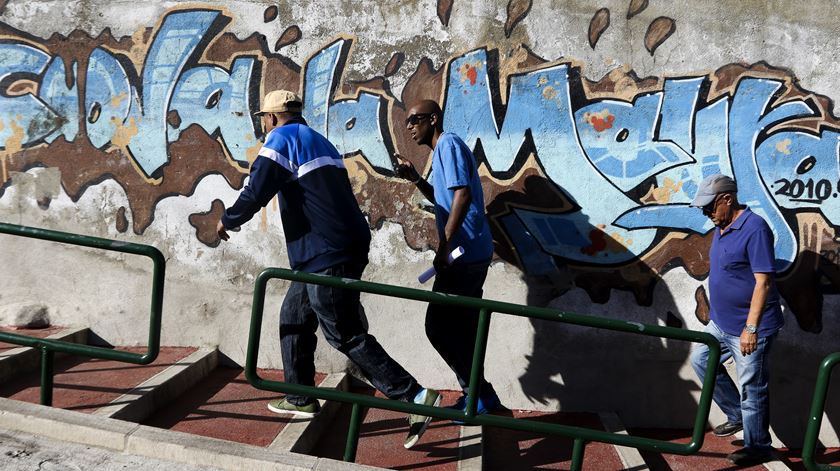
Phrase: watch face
pixel 750 328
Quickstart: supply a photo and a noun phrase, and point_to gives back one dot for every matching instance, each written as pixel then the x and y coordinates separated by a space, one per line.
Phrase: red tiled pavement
pixel 225 406
pixel 84 384
pixel 712 455
pixel 40 333
pixel 509 449
pixel 382 435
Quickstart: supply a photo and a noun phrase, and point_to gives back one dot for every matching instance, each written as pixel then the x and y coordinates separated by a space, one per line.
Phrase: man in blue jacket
pixel 456 192
pixel 326 233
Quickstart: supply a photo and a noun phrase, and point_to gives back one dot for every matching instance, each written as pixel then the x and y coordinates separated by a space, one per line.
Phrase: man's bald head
pixel 426 107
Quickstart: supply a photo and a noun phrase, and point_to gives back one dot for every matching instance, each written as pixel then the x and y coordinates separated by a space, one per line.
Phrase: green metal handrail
pixel 48 347
pixel 486 307
pixel 812 433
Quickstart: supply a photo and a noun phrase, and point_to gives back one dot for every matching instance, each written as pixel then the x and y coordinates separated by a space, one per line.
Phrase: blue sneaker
pixel 484 406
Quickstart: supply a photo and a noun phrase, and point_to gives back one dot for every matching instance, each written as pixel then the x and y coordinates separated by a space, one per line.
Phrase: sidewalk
pixel 20 451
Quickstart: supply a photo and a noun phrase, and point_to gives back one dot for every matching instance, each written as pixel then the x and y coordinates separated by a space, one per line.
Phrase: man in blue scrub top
pixel 745 316
pixel 456 192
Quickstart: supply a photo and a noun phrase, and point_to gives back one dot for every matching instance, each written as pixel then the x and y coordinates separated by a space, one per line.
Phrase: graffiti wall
pixel 587 178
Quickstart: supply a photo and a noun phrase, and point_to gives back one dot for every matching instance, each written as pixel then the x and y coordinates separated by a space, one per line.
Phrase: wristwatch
pixel 751 328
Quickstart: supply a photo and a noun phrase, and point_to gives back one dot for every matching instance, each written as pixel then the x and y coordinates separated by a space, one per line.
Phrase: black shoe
pixel 750 456
pixel 727 428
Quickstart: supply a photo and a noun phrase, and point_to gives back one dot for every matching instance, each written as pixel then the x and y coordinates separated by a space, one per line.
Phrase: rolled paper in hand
pixel 428 274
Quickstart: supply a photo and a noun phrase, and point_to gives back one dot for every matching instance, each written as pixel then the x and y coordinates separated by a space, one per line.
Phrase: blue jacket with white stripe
pixel 323 224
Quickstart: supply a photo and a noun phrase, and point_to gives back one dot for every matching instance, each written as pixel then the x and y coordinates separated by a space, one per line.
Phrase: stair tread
pixel 504 449
pixel 382 434
pixel 85 384
pixel 713 454
pixel 223 405
pixel 40 333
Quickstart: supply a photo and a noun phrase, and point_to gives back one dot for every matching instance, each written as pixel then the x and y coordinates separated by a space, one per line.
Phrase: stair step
pixel 712 455
pixel 510 449
pixel 301 436
pixel 162 388
pixel 630 458
pixel 383 432
pixel 127 438
pixel 85 384
pixel 224 406
pixel 15 360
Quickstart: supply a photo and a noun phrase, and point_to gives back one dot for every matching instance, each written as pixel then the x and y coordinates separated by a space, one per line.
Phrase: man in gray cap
pixel 745 316
pixel 326 233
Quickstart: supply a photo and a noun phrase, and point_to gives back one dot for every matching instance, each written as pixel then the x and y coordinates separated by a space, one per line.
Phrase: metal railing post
pixel 47 357
pixel 353 434
pixel 812 431
pixel 577 454
pixel 477 371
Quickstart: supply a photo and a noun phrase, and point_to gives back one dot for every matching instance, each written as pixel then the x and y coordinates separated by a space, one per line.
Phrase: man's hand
pixel 749 342
pixel 405 169
pixel 441 261
pixel 220 229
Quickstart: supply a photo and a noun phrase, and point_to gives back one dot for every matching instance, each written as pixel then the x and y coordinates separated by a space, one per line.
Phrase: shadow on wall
pixel 800 348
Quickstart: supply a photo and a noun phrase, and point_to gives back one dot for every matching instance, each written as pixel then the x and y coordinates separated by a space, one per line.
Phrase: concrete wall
pixel 593 123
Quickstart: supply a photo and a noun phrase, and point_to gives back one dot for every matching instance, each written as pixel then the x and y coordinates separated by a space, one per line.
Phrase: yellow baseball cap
pixel 278 101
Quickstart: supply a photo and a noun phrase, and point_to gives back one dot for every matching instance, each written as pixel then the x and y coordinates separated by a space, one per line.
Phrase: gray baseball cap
pixel 710 187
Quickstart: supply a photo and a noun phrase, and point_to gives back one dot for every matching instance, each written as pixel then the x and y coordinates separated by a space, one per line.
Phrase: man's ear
pixel 434 119
pixel 273 119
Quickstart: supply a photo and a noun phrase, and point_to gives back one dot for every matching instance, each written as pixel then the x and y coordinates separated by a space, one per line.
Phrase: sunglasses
pixel 415 118
pixel 710 208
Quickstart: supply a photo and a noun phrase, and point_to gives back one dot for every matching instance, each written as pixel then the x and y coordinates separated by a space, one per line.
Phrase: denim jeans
pixel 452 330
pixel 343 323
pixel 750 407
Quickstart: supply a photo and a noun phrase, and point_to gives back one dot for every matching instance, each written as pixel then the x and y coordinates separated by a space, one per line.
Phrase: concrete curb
pixel 470 448
pixel 142 401
pixel 300 436
pixel 121 436
pixel 630 457
pixel 24 359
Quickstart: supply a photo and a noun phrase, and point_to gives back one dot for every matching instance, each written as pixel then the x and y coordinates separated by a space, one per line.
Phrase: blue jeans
pixel 343 323
pixel 750 407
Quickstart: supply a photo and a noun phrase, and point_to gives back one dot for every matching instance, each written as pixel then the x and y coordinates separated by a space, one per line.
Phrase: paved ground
pixel 24 452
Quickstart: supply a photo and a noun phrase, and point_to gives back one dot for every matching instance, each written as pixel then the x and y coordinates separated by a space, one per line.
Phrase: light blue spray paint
pixel 26 111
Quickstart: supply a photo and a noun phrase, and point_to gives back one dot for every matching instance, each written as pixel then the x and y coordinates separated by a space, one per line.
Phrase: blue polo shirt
pixel 744 249
pixel 454 166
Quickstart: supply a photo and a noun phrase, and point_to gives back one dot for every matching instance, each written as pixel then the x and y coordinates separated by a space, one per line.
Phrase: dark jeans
pixel 342 321
pixel 452 330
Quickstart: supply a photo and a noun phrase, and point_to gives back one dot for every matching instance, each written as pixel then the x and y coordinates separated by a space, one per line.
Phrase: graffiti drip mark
pixel 289 37
pixel 701 311
pixel 636 7
pixel 173 118
pixel 599 23
pixel 659 30
pixel 394 64
pixel 517 10
pixel 205 223
pixel 122 220
pixel 444 9
pixel 270 14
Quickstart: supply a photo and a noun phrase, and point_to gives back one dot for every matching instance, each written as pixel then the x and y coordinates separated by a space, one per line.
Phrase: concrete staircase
pixel 188 408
